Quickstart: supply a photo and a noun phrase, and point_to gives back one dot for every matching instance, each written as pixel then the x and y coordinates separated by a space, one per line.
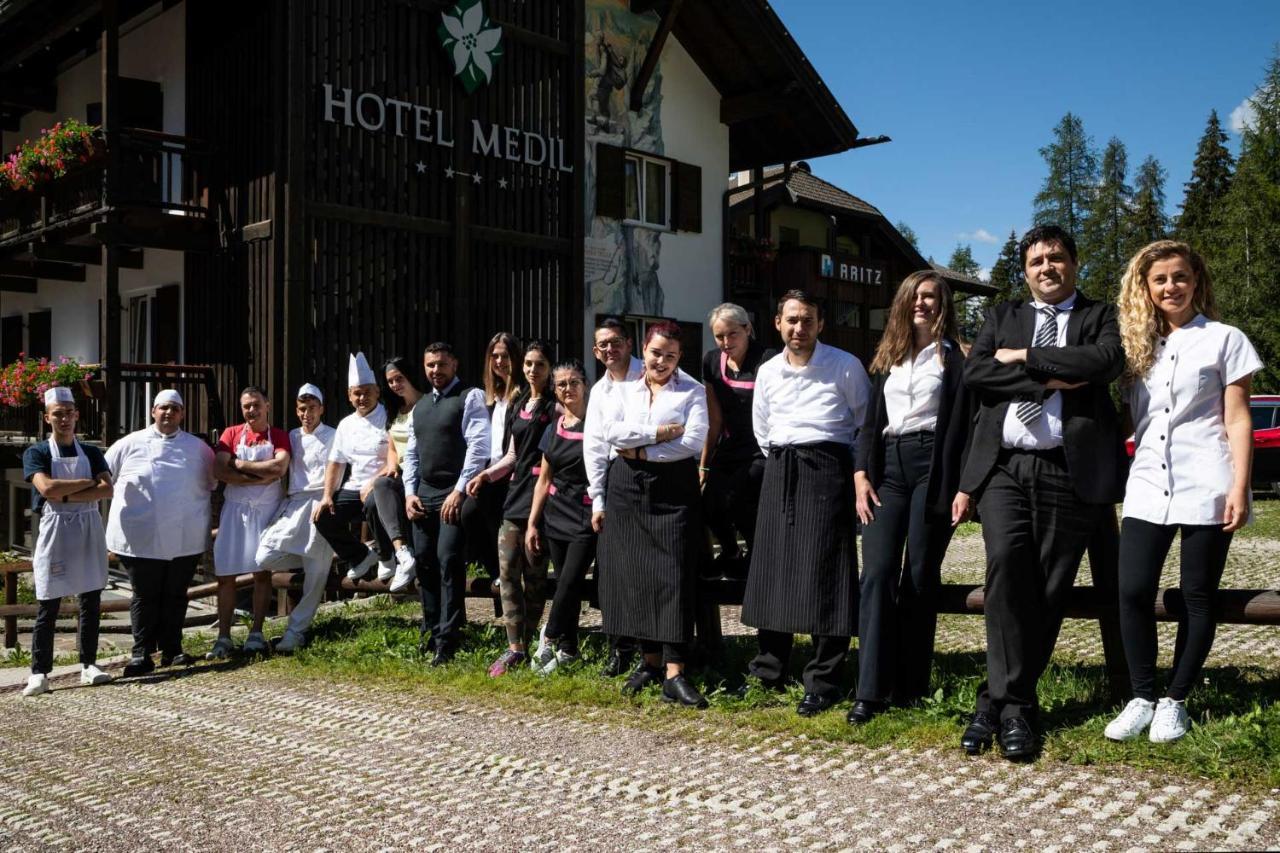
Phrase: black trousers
pixel 335 527
pixel 481 518
pixel 86 634
pixel 159 604
pixel 442 580
pixel 897 615
pixel 821 674
pixel 671 652
pixel 1035 530
pixel 391 521
pixel 572 560
pixel 730 500
pixel 1143 548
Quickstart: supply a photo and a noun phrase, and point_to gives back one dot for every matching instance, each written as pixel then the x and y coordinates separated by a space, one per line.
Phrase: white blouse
pixel 1181 470
pixel 824 400
pixel 635 418
pixel 497 430
pixel 913 392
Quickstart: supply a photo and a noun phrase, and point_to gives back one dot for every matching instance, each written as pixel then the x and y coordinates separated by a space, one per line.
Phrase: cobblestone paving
pixel 242 760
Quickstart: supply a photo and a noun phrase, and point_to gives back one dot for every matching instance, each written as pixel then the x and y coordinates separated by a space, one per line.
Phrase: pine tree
pixel 1073 167
pixel 1106 243
pixel 1245 259
pixel 908 233
pixel 969 307
pixel 1007 274
pixel 962 261
pixel 1210 181
pixel 1148 222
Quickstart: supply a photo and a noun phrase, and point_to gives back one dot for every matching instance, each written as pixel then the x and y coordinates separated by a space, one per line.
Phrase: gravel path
pixel 242 759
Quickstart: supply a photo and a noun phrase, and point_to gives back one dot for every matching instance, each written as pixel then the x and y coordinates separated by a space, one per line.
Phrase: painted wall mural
pixel 622 261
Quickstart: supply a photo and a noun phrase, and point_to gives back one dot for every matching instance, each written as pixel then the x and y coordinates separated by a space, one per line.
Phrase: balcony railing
pixel 155 171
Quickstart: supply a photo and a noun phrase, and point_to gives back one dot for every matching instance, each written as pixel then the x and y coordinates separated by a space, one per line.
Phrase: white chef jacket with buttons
pixel 823 400
pixel 1045 431
pixel 160 506
pixel 1182 472
pixel 361 442
pixel 913 392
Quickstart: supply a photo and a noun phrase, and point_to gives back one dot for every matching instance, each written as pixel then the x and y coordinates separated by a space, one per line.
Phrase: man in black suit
pixel 1045 464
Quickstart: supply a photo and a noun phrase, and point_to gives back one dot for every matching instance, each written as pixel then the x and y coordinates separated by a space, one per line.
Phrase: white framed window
pixel 648 191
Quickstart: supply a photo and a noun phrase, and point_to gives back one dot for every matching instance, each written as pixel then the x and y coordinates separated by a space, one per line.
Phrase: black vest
pixel 442 448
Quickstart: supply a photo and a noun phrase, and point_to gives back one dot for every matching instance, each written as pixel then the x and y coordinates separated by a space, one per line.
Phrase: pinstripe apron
pixel 650 545
pixel 804 566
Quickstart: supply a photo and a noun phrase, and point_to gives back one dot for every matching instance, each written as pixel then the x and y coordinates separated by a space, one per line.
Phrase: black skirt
pixel 649 549
pixel 804 567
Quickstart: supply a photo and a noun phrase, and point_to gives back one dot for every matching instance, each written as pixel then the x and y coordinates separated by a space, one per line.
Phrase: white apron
pixel 246 512
pixel 71 549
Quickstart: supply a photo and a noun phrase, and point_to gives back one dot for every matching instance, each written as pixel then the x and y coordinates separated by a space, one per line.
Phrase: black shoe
pixel 765 684
pixel 1017 740
pixel 641 678
pixel 680 689
pixel 980 732
pixel 139 666
pixel 618 663
pixel 180 659
pixel 442 657
pixel 815 703
pixel 863 710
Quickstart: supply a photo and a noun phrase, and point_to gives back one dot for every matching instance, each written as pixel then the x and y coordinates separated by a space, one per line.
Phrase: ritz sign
pixel 854 272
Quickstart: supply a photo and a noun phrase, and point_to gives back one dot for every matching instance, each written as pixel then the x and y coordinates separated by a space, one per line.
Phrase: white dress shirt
pixel 824 400
pixel 497 430
pixel 308 458
pixel 1045 432
pixel 913 392
pixel 638 413
pixel 475 432
pixel 596 452
pixel 1181 472
pixel 360 442
pixel 160 507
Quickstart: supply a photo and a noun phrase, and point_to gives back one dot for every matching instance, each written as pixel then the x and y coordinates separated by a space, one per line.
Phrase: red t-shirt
pixel 230 438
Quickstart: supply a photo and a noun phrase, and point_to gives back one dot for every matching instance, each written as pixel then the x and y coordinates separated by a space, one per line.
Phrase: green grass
pixel 1266 519
pixel 1236 739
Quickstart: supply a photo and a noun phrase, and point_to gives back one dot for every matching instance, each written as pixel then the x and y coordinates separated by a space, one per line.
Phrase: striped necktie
pixel 1046 336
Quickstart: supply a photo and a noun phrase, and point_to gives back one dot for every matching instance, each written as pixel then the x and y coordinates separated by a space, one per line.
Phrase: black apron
pixel 525 428
pixel 566 515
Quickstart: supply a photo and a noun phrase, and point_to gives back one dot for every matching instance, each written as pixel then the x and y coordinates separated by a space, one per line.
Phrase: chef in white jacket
pixel 158 526
pixel 292 541
pixel 70 557
pixel 252 459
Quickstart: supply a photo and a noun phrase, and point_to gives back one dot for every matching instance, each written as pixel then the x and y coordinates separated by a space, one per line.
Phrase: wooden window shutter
pixel 686 197
pixel 611 196
pixel 40 334
pixel 691 348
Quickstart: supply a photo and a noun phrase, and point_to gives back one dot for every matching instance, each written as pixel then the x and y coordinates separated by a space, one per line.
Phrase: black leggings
pixel 572 559
pixel 1143 548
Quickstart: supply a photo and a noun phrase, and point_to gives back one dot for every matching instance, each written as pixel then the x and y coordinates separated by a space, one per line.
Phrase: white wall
pixel 152 50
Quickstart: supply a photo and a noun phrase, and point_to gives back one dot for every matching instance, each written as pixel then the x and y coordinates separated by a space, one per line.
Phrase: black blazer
pixel 950 435
pixel 1091 434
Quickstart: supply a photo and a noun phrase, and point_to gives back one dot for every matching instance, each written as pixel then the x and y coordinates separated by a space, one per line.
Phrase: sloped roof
pixel 952 276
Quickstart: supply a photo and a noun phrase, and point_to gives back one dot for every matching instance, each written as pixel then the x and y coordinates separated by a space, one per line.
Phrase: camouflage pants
pixel 523 582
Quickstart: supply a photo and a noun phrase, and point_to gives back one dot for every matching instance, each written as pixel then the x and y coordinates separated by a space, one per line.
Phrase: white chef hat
pixel 168 395
pixel 58 394
pixel 359 372
pixel 309 390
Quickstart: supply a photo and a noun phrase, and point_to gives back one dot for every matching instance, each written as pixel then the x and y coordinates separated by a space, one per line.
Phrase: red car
pixel 1265 409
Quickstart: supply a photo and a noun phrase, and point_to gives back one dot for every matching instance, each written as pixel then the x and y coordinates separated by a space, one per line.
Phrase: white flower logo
pixel 473 41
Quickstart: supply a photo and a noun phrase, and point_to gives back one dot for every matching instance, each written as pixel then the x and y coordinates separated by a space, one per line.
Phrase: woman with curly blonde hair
pixel 1187 381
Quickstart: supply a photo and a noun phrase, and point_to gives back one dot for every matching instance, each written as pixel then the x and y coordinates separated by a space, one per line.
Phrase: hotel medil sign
pixel 850 270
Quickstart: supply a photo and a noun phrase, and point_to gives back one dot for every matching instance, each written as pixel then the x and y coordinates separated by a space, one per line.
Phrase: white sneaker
pixel 255 644
pixel 36 684
pixel 362 568
pixel 545 653
pixel 1171 721
pixel 1132 721
pixel 91 676
pixel 406 569
pixel 561 660
pixel 221 650
pixel 386 568
pixel 291 642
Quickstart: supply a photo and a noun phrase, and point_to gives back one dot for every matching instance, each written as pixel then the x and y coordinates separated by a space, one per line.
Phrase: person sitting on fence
pixel 1187 378
pixel 158 526
pixel 390 526
pixel 70 556
pixel 292 541
pixel 360 443
pixel 252 459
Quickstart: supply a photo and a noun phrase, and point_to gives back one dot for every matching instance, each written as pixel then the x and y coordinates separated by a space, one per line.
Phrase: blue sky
pixel 971 91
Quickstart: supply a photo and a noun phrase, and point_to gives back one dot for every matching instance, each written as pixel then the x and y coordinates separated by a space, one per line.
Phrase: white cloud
pixel 982 235
pixel 984 273
pixel 1241 117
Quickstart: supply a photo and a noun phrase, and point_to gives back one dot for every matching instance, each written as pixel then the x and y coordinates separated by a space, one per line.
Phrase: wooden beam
pixel 640 7
pixel 256 231
pixel 43 269
pixel 759 104
pixel 651 58
pixel 131 259
pixel 155 236
pixel 17 284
